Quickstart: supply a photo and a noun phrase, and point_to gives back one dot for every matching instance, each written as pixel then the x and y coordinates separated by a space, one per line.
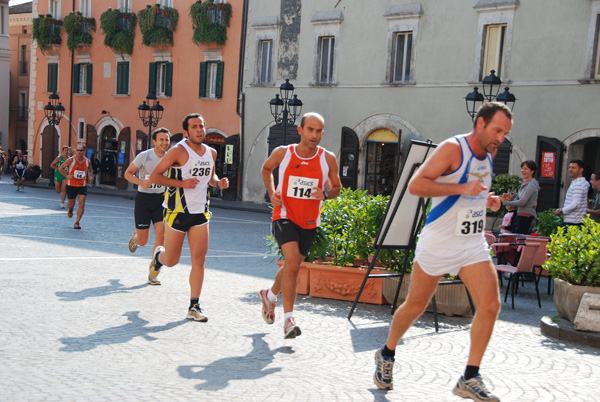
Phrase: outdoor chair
pixel 524 268
pixel 489 237
pixel 540 258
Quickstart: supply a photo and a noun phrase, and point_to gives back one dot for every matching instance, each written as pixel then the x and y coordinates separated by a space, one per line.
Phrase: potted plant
pixel 79 30
pixel 33 172
pixel 157 25
pixel 547 223
pixel 574 263
pixel 46 31
pixel 502 183
pixel 210 22
pixel 119 30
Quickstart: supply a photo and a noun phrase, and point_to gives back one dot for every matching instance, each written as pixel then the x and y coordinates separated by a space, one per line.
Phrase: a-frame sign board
pixel 402 217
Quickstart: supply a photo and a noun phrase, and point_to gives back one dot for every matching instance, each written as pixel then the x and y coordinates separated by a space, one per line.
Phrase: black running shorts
pixel 286 231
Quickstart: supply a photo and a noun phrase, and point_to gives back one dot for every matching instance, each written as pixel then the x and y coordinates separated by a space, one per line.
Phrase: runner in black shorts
pixel 150 196
pixel 286 231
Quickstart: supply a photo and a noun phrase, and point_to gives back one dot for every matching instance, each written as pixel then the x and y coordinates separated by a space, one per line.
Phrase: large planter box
pixel 450 299
pixel 567 297
pixel 303 278
pixel 343 283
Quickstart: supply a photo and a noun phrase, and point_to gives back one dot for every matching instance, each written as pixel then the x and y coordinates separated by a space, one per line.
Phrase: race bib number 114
pixel 301 187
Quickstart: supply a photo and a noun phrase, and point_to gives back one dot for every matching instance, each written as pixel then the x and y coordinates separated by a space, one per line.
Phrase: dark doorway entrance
pixel 108 156
pixel 382 162
pixel 549 158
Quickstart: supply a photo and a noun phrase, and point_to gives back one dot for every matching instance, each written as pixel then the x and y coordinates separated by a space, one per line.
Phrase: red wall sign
pixel 548 164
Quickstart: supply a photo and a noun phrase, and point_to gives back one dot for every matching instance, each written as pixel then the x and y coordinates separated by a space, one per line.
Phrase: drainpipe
pixel 241 103
pixel 71 88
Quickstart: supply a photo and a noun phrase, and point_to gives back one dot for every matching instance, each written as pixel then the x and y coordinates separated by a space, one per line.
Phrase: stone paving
pixel 79 323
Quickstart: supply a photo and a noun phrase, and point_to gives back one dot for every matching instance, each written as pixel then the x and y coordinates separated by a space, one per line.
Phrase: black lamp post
pixel 150 115
pixel 491 86
pixel 54 112
pixel 286 106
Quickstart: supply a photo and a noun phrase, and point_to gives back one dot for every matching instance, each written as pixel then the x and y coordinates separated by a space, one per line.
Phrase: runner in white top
pixel 457 177
pixel 192 170
pixel 149 198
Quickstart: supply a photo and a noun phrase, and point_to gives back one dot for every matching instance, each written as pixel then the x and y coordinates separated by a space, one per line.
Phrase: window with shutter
pixel 123 78
pixel 203 69
pixel 52 84
pixel 76 77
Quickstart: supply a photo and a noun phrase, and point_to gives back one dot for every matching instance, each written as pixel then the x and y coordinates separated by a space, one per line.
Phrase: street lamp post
pixel 54 112
pixel 150 115
pixel 491 86
pixel 286 106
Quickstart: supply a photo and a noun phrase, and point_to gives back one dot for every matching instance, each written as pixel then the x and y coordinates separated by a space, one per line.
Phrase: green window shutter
pixel 123 78
pixel 169 80
pixel 152 79
pixel 203 71
pixel 219 87
pixel 76 77
pixel 52 83
pixel 89 78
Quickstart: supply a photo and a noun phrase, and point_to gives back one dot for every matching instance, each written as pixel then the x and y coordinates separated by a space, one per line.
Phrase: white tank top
pixel 191 200
pixel 456 220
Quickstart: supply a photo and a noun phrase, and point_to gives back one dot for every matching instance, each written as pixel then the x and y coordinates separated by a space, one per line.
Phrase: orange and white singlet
pixel 79 172
pixel 297 177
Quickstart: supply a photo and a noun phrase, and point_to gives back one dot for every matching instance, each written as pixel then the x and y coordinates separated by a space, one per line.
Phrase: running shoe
pixel 132 244
pixel 195 313
pixel 62 206
pixel 384 367
pixel 475 389
pixel 154 268
pixel 290 329
pixel 268 307
pixel 70 213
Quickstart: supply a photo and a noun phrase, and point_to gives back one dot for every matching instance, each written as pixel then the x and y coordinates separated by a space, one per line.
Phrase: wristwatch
pixel 325 194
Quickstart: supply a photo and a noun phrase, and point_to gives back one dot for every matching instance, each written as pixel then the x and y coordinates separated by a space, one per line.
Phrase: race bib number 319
pixel 470 222
pixel 301 187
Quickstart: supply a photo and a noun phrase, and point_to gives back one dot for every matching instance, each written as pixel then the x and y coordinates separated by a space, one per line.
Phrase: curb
pixel 561 329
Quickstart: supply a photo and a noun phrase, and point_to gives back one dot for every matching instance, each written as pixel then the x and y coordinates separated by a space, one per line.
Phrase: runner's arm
pixel 445 159
pixel 174 157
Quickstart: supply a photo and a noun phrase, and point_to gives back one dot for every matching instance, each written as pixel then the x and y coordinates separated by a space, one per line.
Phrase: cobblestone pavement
pixel 79 323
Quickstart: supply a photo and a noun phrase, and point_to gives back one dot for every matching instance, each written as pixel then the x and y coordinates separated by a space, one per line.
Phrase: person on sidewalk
pixel 457 178
pixel 149 198
pixel 2 161
pixel 594 206
pixel 191 165
pixel 574 208
pixel 60 181
pixel 78 171
pixel 19 164
pixel 304 171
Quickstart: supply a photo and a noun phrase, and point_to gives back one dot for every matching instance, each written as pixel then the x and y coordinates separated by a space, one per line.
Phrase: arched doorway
pixel 47 151
pixel 383 155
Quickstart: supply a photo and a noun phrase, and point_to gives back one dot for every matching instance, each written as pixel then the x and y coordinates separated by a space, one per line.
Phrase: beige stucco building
pixel 385 72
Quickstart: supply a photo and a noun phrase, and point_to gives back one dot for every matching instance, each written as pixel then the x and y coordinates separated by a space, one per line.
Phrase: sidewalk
pixel 130 194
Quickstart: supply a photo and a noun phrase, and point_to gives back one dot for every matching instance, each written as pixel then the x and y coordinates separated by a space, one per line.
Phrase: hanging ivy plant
pixel 119 30
pixel 210 22
pixel 46 31
pixel 157 25
pixel 79 30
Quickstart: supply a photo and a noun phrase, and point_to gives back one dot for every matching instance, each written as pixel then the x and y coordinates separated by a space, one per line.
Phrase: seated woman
pixel 526 201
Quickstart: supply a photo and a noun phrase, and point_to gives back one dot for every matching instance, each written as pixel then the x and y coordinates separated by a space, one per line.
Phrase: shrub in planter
pixel 46 31
pixel 119 30
pixel 547 223
pixel 210 22
pixel 157 25
pixel 574 259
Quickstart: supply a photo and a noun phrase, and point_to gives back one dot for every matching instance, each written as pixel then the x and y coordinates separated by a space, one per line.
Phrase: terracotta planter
pixel 450 299
pixel 389 289
pixel 303 280
pixel 567 297
pixel 343 283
